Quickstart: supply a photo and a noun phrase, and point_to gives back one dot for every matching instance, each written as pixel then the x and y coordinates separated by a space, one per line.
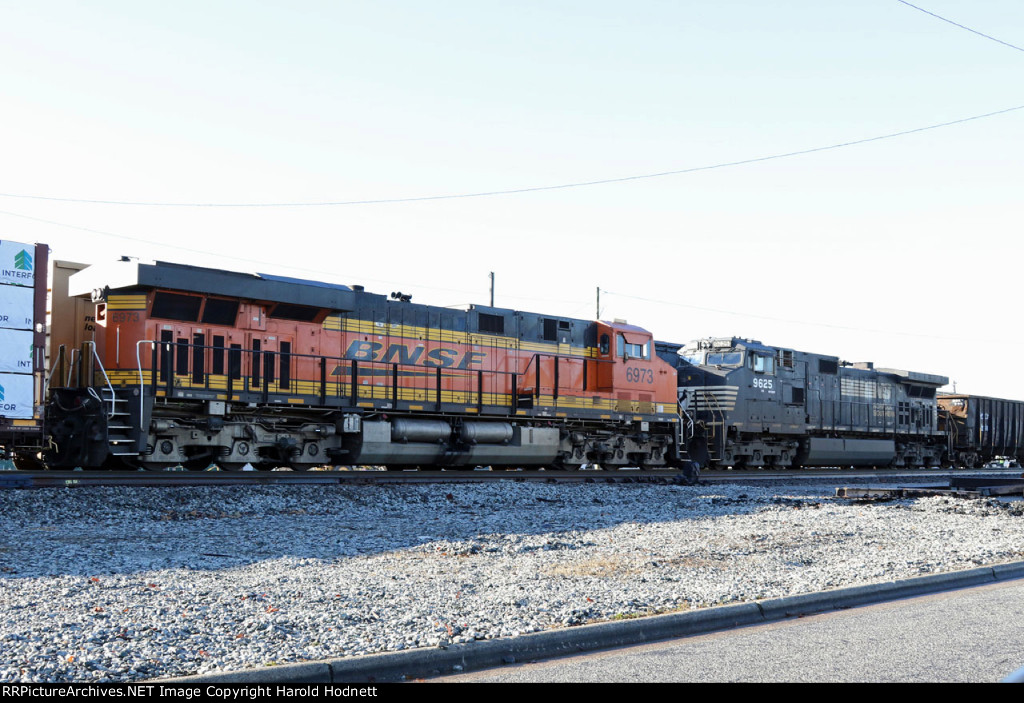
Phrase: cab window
pixel 633 351
pixel 764 364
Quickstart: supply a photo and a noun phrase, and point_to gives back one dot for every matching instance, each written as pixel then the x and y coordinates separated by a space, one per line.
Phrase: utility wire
pixel 516 297
pixel 534 189
pixel 781 319
pixel 957 24
pixel 269 264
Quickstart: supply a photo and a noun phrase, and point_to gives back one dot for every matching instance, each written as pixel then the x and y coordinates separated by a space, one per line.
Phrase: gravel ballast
pixel 125 584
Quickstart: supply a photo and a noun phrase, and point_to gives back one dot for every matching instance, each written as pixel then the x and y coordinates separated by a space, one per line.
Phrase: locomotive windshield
pixel 692 357
pixel 729 358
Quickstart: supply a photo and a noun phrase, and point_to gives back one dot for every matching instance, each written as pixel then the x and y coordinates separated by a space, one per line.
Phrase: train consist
pixel 156 365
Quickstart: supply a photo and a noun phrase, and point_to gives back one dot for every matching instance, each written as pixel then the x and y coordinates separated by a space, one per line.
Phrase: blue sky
pixel 902 251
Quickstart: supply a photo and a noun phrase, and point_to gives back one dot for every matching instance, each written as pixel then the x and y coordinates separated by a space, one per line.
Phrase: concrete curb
pixel 420 663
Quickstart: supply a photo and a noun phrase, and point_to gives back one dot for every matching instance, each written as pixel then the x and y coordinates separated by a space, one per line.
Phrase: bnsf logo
pixel 402 354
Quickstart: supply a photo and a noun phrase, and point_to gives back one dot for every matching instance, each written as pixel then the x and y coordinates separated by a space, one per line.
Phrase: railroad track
pixel 40 479
pixel 44 479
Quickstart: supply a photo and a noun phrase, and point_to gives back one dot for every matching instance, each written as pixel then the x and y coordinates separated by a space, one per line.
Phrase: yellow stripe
pixel 126 302
pixel 432 334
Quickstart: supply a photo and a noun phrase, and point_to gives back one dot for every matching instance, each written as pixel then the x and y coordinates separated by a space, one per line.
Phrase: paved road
pixel 967 635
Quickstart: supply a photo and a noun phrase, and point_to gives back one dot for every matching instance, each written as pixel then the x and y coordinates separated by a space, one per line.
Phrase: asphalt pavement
pixel 967 635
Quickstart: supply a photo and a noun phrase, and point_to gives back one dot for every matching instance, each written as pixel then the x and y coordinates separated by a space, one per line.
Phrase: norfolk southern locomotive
pixel 758 406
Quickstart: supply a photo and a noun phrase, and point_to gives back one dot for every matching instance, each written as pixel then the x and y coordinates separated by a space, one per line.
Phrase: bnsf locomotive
pixel 194 366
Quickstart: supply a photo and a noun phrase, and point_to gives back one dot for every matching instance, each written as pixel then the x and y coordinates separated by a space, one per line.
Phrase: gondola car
pixel 980 429
pixel 191 366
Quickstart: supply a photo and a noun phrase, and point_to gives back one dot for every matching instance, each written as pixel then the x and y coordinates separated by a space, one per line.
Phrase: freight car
pixel 195 366
pixel 22 344
pixel 980 429
pixel 754 405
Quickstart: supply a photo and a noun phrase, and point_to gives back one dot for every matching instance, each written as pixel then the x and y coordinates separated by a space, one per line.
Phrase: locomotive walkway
pixel 948 637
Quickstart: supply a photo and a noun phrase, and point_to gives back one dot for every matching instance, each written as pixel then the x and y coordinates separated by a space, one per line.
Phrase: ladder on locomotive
pixel 82 370
pixel 119 428
pixel 715 437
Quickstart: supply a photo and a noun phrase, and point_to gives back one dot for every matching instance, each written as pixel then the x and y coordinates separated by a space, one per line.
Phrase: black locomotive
pixel 750 405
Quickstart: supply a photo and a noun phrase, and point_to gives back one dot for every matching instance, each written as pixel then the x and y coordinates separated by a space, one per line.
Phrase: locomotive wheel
pixel 559 464
pixel 27 462
pixel 196 464
pixel 157 465
pixel 115 463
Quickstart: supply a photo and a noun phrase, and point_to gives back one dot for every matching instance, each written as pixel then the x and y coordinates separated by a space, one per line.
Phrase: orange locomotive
pixel 196 366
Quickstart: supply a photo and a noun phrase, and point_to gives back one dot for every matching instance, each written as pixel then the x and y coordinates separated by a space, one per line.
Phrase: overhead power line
pixel 957 24
pixel 532 189
pixel 261 263
pixel 788 320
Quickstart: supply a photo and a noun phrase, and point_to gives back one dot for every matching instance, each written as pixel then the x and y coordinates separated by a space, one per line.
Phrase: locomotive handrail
pixel 60 361
pixel 467 382
pixel 71 367
pixel 689 421
pixel 142 380
pixel 94 358
pixel 538 356
pixel 263 385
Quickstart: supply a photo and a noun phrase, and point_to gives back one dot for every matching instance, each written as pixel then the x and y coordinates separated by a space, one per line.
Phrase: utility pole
pixel 598 316
pixel 492 289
